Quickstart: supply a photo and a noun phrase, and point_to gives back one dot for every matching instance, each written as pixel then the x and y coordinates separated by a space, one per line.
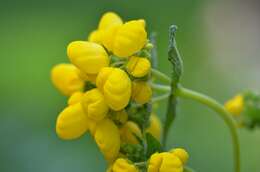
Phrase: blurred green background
pixel 219 42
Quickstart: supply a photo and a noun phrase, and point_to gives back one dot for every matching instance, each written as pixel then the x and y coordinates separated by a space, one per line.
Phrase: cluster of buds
pixel 245 109
pixel 108 85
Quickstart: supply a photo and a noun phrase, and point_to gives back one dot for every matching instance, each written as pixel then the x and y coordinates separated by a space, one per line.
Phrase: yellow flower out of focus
pixel 123 165
pixel 115 84
pixel 129 132
pixel 181 153
pixel 165 162
pixel 155 127
pixel 87 56
pixel 107 138
pixel 236 105
pixel 94 104
pixel 71 122
pixel 141 92
pixel 138 66
pixel 66 78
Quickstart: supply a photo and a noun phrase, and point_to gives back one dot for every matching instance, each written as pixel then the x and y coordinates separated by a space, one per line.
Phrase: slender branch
pixel 159 87
pixel 161 97
pixel 221 111
pixel 160 75
pixel 188 169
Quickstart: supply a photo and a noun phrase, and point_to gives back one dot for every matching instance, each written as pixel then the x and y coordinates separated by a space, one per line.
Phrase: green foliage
pixel 153 145
pixel 251 113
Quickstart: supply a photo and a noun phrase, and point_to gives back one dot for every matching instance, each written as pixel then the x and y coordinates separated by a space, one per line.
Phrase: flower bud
pixel 88 56
pixel 155 126
pixel 181 154
pixel 164 162
pixel 121 165
pixel 75 98
pixel 130 38
pixel 107 138
pixel 115 84
pixel 65 78
pixel 141 92
pixel 88 77
pixel 129 131
pixel 94 104
pixel 95 36
pixel 138 66
pixel 236 105
pixel 109 19
pixel 71 122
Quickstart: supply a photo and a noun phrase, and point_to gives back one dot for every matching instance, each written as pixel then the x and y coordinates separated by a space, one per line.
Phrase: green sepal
pixel 140 114
pixel 174 57
pixel 251 112
pixel 89 86
pixel 133 152
pixel 153 145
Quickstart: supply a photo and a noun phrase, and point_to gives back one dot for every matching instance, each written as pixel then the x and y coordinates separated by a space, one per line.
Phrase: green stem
pixel 159 87
pixel 221 111
pixel 161 97
pixel 160 75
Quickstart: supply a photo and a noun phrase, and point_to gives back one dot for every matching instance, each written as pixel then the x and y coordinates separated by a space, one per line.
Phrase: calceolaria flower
pixel 172 161
pixel 66 79
pixel 108 85
pixel 235 105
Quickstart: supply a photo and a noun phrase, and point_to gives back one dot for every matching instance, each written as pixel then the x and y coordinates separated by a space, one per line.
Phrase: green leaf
pixel 153 145
pixel 174 56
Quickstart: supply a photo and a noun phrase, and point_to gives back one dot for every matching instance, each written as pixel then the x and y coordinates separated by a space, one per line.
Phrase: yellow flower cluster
pixel 172 161
pixel 235 105
pixel 101 109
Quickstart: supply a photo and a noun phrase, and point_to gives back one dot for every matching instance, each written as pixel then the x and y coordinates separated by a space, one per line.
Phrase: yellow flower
pixel 155 126
pixel 71 122
pixel 109 19
pixel 108 37
pixel 94 104
pixel 75 98
pixel 182 154
pixel 88 56
pixel 107 138
pixel 141 92
pixel 123 165
pixel 138 66
pixel 128 132
pixel 95 36
pixel 65 78
pixel 115 84
pixel 130 38
pixel 164 162
pixel 88 77
pixel 236 105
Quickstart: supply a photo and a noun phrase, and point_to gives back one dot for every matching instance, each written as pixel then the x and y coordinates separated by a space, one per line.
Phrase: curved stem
pixel 160 75
pixel 214 105
pixel 159 87
pixel 187 169
pixel 161 97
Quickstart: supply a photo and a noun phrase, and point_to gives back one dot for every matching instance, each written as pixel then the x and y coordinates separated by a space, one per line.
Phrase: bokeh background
pixel 220 45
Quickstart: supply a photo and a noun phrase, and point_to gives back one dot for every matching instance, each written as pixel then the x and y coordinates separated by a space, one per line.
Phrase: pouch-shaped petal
pixel 94 104
pixel 116 87
pixel 65 78
pixel 75 98
pixel 155 126
pixel 71 122
pixel 107 138
pixel 141 92
pixel 182 154
pixel 138 66
pixel 89 57
pixel 130 38
pixel 129 131
pixel 109 19
pixel 123 165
